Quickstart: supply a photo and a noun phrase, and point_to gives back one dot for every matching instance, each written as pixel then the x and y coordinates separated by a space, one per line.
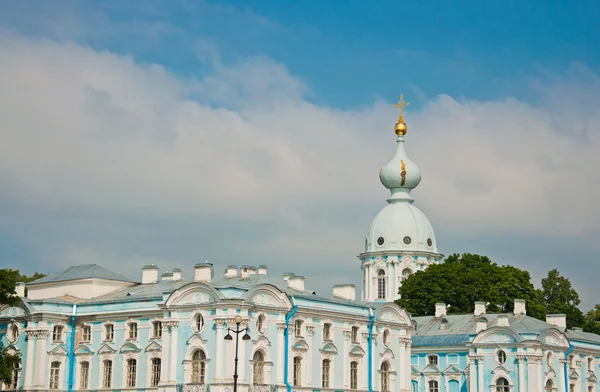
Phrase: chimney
pixel 20 289
pixel 167 276
pixel 502 320
pixel 149 274
pixel 286 275
pixel 176 273
pixel 479 308
pixel 481 324
pixel 203 272
pixel 262 269
pixel 252 270
pixel 296 282
pixel 231 271
pixel 345 291
pixel 558 320
pixel 245 271
pixel 520 307
pixel 440 309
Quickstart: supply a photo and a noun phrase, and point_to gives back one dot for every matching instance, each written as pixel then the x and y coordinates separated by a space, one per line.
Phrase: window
pixel 406 272
pixel 432 360
pixel 386 337
pixel 572 388
pixel 297 371
pixel 259 368
pixel 86 334
pixel 199 323
pixel 549 386
pixel 15 376
pixel 260 323
pixel 327 332
pixel 325 371
pixel 109 332
pixel 502 385
pixel 501 357
pixel 54 374
pixel 385 377
pixel 156 364
pixel 107 374
pixel 198 367
pixel 298 328
pixel 353 375
pixel 433 386
pixel 571 361
pixel 157 330
pixel 131 373
pixel 590 364
pixel 57 334
pixel 354 334
pixel 381 284
pixel 84 375
pixel 549 359
pixel 590 388
pixel 13 333
pixel 133 330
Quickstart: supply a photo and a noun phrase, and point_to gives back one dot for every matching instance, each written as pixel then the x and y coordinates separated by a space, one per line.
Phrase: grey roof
pixel 81 272
pixel 582 336
pixel 440 340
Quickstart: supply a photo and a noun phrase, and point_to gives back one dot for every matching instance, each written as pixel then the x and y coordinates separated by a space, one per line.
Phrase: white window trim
pixel 13 324
pixel 127 356
pixel 497 359
pixel 128 325
pixel 61 370
pixel 265 323
pixel 331 330
pixel 62 333
pixel 82 326
pixel 193 321
pixel 103 332
pixel 151 332
pixel 78 360
pixel 150 355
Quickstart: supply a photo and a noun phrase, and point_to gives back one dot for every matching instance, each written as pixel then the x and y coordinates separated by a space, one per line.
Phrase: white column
pixel 243 361
pixel 173 361
pixel 219 349
pixel 367 288
pixel 521 360
pixel 390 283
pixel 30 357
pixel 402 365
pixel 310 334
pixel 561 375
pixel 480 365
pixel 280 350
pixel 538 365
pixel 531 377
pixel 166 340
pixel 345 363
pixel 472 374
pixel 40 359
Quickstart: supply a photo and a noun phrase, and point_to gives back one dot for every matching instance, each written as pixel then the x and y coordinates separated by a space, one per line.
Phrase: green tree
pixel 8 278
pixel 461 280
pixel 7 362
pixel 559 296
pixel 592 320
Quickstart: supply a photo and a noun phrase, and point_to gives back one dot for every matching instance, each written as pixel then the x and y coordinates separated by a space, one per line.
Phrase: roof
pixel 77 272
pixel 581 336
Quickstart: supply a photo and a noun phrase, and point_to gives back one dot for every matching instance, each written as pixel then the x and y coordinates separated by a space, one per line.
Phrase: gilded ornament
pixel 401 127
pixel 403 173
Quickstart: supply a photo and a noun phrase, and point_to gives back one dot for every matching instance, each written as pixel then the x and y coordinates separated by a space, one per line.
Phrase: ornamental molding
pixel 281 327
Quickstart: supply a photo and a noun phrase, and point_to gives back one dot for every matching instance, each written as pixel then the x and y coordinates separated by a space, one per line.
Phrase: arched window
pixel 107 374
pixel 501 357
pixel 433 386
pixel 297 371
pixel 385 377
pixel 260 323
pixel 549 359
pixel 54 374
pixel 13 333
pixel 353 375
pixel 198 367
pixel 549 386
pixel 502 385
pixel 199 323
pixel 386 337
pixel 325 371
pixel 84 375
pixel 15 375
pixel 406 272
pixel 156 368
pixel 131 373
pixel 259 368
pixel 381 284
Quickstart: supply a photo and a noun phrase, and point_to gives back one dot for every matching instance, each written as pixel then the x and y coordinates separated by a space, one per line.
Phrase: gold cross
pixel 401 105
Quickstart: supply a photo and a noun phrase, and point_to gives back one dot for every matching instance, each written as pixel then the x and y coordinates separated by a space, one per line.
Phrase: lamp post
pixel 237 320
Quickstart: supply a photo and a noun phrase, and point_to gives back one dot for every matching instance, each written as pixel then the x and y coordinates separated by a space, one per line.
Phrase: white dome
pixel 400 226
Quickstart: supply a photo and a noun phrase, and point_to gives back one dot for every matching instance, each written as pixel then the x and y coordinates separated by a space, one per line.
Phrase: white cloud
pixel 93 131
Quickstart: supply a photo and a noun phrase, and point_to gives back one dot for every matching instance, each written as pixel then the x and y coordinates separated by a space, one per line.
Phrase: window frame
pixel 58 333
pixel 354 375
pixel 155 371
pixel 433 360
pixel 84 375
pixel 381 284
pixel 355 334
pixel 258 368
pixel 54 379
pixel 108 337
pixel 107 373
pixel 131 372
pixel 327 327
pixel 198 374
pixel 325 373
pixel 297 371
pixel 157 331
pixel 86 333
pixel 299 328
pixel 433 386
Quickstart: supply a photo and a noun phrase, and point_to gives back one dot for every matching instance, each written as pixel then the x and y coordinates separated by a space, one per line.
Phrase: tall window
pixel 326 371
pixel 13 333
pixel 133 330
pixel 107 374
pixel 549 386
pixel 131 373
pixel 353 375
pixel 327 331
pixel 381 284
pixel 54 374
pixel 109 332
pixel 199 323
pixel 590 364
pixel 298 328
pixel 198 367
pixel 354 334
pixel 297 371
pixel 84 375
pixel 86 334
pixel 57 333
pixel 259 368
pixel 260 323
pixel 15 375
pixel 386 337
pixel 433 386
pixel 156 330
pixel 406 272
pixel 385 377
pixel 502 385
pixel 432 360
pixel 156 364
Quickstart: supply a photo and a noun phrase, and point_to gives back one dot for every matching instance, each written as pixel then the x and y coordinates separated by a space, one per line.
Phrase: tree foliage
pixel 464 279
pixel 8 280
pixel 559 296
pixel 7 362
pixel 592 320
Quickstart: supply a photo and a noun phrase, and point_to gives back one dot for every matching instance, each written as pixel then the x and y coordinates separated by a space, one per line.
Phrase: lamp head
pixel 246 336
pixel 228 336
pixel 238 319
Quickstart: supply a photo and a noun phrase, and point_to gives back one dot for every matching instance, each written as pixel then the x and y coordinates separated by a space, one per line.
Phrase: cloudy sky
pixel 253 132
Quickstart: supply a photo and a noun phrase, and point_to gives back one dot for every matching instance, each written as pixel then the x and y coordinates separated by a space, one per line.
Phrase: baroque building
pixel 86 328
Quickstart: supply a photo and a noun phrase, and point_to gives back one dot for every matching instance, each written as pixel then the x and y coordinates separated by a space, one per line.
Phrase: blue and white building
pixel 87 328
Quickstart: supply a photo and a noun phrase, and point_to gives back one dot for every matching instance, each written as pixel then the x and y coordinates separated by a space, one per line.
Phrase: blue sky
pixel 252 132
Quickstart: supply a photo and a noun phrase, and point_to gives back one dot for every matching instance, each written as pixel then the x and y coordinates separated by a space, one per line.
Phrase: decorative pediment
pixel 554 337
pixel 501 371
pixel 573 375
pixel 193 294
pixel 387 354
pixel 592 378
pixel 196 339
pixel 130 348
pixel 414 370
pixel 262 341
pixel 106 349
pixel 329 348
pixel 12 311
pixel 153 347
pixel 452 370
pixel 269 296
pixel 431 369
pixel 391 313
pixel 497 335
pixel 357 351
pixel 195 297
pixel 83 350
pixel 300 345
pixel 58 350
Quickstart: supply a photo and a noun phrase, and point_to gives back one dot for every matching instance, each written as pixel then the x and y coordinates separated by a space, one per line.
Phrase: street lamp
pixel 237 320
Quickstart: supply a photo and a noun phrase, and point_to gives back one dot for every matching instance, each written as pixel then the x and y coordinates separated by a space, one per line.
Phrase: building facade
pixel 86 328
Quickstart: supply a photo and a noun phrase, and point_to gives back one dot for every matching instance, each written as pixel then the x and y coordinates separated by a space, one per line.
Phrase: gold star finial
pixel 401 105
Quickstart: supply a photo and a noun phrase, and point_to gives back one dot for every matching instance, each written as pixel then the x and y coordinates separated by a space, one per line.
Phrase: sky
pixel 246 133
